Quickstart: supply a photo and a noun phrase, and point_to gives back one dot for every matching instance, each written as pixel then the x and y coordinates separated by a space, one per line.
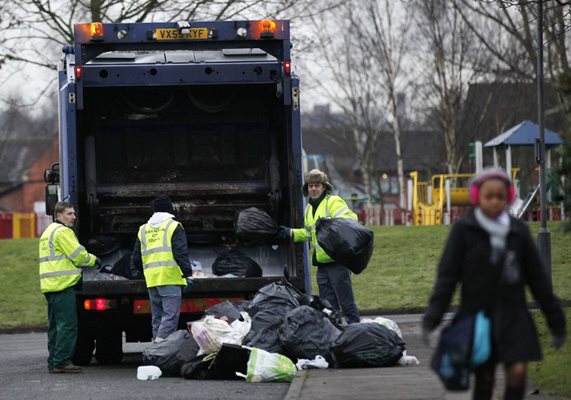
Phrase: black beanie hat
pixel 162 204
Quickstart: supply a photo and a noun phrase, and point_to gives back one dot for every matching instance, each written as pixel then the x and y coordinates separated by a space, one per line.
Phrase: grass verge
pixel 552 374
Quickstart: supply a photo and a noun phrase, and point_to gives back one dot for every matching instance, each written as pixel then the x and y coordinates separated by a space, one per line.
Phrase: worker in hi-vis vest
pixel 333 279
pixel 61 258
pixel 161 250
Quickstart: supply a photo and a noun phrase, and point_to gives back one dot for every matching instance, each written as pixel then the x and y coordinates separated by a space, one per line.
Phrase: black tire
pixel 83 349
pixel 109 348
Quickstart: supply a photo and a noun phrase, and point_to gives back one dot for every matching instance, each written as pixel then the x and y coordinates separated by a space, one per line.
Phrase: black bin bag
pixel 255 226
pixel 307 333
pixel 368 345
pixel 236 263
pixel 268 310
pixel 165 354
pixel 346 241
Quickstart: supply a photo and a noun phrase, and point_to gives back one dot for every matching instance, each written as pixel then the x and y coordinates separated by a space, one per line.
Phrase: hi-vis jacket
pixel 60 257
pixel 330 207
pixel 159 265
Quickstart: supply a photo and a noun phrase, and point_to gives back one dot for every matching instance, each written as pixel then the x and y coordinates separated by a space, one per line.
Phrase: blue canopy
pixel 524 134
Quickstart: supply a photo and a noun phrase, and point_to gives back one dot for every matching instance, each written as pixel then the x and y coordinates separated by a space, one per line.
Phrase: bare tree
pixel 348 79
pixel 449 54
pixel 385 38
pixel 506 28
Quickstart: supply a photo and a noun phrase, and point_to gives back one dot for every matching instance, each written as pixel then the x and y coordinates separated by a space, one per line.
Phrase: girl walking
pixel 493 256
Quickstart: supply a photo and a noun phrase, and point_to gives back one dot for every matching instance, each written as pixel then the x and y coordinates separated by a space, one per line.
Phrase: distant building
pixel 22 176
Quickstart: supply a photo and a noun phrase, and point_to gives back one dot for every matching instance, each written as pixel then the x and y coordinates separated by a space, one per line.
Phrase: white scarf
pixel 497 229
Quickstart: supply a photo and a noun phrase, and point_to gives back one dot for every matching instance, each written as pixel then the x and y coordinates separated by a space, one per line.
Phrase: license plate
pixel 175 34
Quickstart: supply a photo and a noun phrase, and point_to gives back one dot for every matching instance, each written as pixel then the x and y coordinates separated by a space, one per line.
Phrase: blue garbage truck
pixel 205 112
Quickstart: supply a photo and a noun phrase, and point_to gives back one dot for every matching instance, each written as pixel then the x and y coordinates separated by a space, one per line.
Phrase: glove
pixel 284 233
pixel 188 288
pixel 425 335
pixel 558 341
pixel 98 263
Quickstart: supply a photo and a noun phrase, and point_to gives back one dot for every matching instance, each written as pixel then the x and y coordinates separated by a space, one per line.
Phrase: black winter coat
pixel 466 260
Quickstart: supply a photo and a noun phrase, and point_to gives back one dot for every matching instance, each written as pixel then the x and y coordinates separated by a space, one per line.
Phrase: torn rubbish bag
pixel 346 241
pixel 210 332
pixel 307 333
pixel 234 262
pixel 255 226
pixel 367 346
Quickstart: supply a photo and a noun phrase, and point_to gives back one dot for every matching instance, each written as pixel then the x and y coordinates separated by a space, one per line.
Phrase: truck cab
pixel 205 112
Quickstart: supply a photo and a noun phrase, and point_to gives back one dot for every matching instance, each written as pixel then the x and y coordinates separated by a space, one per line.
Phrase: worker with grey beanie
pixel 161 251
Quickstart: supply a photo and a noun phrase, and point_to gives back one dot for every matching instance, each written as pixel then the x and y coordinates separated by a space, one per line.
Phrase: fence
pixel 23 225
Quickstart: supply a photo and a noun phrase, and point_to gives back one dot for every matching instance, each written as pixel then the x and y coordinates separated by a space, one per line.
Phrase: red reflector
pixel 99 304
pixel 78 69
pixel 201 304
pixel 141 307
pixel 287 67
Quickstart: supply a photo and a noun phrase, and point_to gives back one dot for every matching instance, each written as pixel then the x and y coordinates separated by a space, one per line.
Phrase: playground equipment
pixel 432 204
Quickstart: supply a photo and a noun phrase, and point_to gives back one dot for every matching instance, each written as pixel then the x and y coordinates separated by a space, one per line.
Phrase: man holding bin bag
pixel 333 279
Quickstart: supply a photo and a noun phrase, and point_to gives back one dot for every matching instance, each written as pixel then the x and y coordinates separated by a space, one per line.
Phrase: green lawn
pixel 552 374
pixel 22 304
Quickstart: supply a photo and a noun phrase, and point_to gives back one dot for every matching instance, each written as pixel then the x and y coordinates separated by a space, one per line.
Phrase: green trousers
pixel 62 327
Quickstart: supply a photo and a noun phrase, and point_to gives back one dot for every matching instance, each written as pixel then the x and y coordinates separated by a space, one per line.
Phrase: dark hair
pixel 61 206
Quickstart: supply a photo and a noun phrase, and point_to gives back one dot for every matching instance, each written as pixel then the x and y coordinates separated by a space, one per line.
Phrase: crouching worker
pixel 161 250
pixel 333 279
pixel 60 258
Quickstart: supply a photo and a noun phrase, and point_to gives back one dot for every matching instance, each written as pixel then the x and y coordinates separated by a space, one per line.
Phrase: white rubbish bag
pixel 210 332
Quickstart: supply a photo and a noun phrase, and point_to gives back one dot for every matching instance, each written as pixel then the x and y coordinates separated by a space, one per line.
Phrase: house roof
pixel 524 134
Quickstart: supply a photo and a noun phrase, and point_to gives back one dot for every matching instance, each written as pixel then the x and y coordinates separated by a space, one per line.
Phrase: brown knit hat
pixel 316 176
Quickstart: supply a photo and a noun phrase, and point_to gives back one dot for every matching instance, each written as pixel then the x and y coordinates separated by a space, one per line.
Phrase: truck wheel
pixel 109 348
pixel 83 349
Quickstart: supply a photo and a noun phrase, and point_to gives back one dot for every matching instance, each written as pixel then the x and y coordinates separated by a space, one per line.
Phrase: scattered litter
pixel 148 373
pixel 317 362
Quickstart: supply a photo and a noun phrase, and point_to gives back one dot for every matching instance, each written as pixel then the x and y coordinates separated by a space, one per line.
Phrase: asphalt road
pixel 24 375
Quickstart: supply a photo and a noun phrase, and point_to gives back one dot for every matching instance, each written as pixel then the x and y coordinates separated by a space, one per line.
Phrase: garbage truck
pixel 207 113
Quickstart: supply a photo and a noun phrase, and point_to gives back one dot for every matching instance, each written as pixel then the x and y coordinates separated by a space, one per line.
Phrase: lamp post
pixel 544 236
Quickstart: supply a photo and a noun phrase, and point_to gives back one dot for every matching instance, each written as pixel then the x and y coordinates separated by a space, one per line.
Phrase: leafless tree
pixel 449 54
pixel 385 36
pixel 507 30
pixel 348 80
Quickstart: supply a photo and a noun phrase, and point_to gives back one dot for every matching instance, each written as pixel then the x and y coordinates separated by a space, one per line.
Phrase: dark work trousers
pixel 62 327
pixel 334 282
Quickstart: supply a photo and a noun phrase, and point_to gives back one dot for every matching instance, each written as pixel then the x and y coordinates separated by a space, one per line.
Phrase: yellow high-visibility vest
pixel 60 257
pixel 159 265
pixel 330 207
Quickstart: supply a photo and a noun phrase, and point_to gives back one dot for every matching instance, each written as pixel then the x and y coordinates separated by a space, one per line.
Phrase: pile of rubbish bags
pixel 268 339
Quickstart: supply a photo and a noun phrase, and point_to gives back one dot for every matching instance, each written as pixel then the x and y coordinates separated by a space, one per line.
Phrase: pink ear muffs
pixel 475 193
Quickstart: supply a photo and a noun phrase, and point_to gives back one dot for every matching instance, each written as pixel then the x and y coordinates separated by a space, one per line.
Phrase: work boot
pixel 68 369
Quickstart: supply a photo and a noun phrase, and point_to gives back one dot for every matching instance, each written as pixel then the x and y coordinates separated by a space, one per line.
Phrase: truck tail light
pixel 78 70
pixel 287 67
pixel 99 304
